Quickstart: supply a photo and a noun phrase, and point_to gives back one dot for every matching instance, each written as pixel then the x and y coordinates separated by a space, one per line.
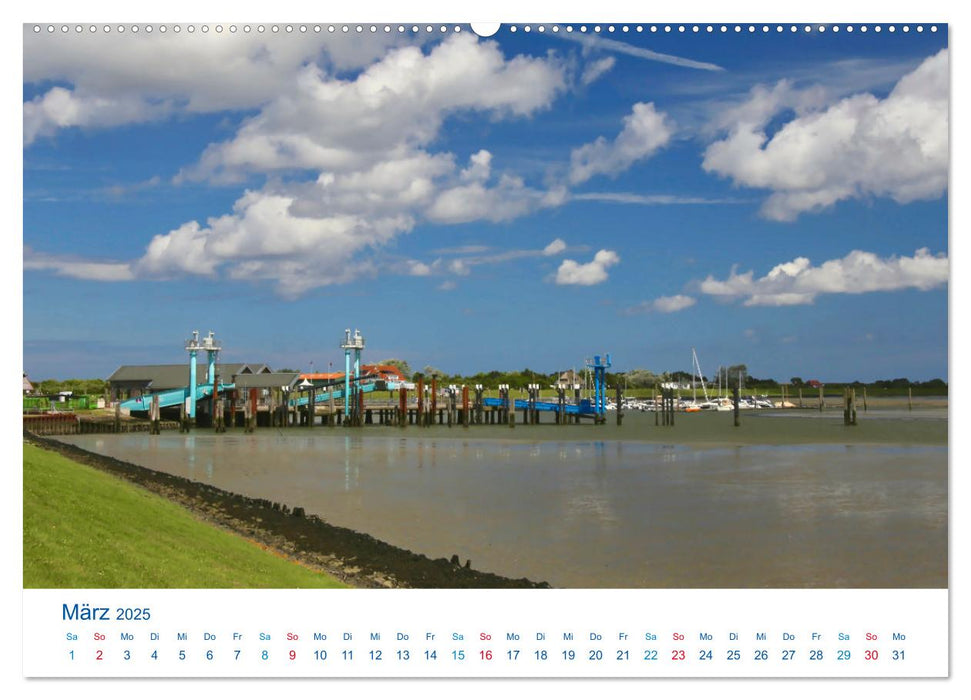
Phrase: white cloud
pixel 118 191
pixel 417 268
pixel 364 137
pixel 798 282
pixel 664 305
pixel 586 274
pixel 396 105
pixel 480 167
pixel 77 268
pixel 458 267
pixel 595 69
pixel 472 256
pixel 645 131
pixel 132 78
pixel 859 146
pixel 555 247
pixel 510 198
pixel 59 108
pixel 263 239
pixel 678 302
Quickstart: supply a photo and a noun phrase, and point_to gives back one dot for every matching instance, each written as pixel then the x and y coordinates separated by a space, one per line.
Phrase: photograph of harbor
pixel 569 306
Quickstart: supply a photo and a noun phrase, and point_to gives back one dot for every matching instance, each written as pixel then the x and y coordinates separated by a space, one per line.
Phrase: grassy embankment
pixel 87 529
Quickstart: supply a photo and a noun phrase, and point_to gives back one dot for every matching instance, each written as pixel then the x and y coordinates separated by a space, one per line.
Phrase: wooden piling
pixel 735 407
pixel 910 398
pixel 620 403
pixel 118 416
pixel 251 410
pixel 214 404
pixel 849 406
pixel 864 398
pixel 155 418
pixel 822 401
pixel 312 407
pixel 420 417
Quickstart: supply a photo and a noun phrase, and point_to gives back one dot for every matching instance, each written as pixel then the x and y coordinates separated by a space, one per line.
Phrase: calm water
pixel 619 513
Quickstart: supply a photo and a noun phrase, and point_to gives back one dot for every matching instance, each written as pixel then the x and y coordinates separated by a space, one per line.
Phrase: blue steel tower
pixel 599 383
pixel 212 348
pixel 355 343
pixel 192 345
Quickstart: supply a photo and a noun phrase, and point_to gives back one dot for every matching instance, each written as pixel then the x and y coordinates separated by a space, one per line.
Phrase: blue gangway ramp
pixel 585 407
pixel 172 397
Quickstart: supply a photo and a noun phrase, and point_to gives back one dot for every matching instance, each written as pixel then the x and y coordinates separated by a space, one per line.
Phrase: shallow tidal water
pixel 779 502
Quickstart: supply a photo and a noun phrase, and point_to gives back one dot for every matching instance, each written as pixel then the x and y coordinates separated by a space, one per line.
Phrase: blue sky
pixel 524 200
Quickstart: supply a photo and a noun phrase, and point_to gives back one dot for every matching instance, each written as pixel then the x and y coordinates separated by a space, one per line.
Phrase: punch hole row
pixel 720 28
pixel 247 29
pixel 442 29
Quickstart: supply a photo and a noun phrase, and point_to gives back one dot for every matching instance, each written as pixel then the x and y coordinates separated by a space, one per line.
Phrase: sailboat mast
pixel 704 389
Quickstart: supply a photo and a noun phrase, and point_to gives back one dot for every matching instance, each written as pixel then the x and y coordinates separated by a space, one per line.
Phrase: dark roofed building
pixel 130 381
pixel 267 380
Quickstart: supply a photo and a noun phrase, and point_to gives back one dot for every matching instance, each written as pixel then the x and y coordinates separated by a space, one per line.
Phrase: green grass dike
pixel 87 529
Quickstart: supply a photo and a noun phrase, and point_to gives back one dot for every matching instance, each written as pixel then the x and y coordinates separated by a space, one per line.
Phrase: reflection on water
pixel 599 513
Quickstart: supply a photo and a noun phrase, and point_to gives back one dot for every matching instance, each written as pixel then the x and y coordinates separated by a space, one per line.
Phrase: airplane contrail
pixel 600 42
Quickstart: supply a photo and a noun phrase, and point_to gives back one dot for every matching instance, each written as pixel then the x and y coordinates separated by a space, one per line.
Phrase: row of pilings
pixel 458 406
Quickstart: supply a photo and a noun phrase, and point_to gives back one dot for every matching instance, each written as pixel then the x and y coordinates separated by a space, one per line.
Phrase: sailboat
pixel 694 406
pixel 723 403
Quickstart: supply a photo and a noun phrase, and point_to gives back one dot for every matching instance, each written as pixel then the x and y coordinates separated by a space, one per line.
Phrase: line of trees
pixel 79 387
pixel 731 376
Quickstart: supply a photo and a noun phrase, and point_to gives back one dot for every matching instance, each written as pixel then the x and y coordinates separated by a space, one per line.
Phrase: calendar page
pixel 577 345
